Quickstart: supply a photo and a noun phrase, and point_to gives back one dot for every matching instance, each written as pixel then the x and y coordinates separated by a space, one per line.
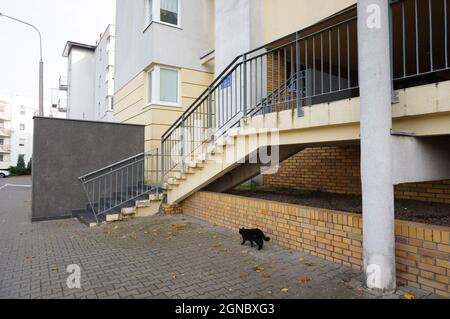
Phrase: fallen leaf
pixel 266 275
pixel 285 290
pixel 54 269
pixel 409 296
pixel 259 268
pixel 181 226
pixel 310 264
pixel 305 280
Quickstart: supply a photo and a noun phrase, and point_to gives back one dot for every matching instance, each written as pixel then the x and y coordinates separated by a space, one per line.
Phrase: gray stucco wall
pixel 65 150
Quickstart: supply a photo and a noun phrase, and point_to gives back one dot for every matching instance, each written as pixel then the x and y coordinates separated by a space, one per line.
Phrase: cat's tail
pixel 267 238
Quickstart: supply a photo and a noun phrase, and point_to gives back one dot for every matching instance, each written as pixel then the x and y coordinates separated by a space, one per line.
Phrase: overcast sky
pixel 58 21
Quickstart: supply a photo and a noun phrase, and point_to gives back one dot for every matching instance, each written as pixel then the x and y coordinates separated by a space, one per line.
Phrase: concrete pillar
pixel 376 124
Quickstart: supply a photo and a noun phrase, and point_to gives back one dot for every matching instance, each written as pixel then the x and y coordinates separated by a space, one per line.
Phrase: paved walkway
pixel 156 257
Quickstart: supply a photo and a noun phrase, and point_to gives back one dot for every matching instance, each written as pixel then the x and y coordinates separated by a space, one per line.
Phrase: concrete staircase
pixel 143 206
pixel 225 163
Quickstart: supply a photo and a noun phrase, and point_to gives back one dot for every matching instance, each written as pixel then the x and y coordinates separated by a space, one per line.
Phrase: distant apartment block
pixel 16 129
pixel 90 79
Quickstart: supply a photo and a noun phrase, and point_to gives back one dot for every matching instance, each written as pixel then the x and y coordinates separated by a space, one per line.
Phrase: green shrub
pixel 21 168
pixel 12 171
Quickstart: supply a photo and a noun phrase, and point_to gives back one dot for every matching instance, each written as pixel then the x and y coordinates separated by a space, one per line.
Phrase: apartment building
pixel 159 71
pixel 16 129
pixel 5 132
pixel 352 97
pixel 90 79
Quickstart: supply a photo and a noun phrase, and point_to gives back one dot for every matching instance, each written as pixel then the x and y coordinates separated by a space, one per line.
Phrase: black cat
pixel 253 235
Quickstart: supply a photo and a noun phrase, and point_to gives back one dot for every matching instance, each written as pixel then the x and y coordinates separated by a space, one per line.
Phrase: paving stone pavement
pixel 156 257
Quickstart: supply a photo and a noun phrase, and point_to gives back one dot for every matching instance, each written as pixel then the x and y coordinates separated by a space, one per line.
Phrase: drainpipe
pixel 376 124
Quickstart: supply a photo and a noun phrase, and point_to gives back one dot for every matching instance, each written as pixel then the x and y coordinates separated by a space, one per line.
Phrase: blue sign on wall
pixel 226 83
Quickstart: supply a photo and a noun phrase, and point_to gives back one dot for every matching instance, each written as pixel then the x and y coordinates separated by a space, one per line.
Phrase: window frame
pixel 22 129
pixel 156 87
pixel 156 14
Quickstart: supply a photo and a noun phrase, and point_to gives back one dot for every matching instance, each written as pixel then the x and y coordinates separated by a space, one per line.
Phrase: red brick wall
pixel 337 170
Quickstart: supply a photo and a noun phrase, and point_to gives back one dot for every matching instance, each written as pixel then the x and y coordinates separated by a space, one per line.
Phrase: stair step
pixel 128 211
pixel 179 176
pixel 225 140
pixel 214 150
pixel 173 181
pixel 154 197
pixel 142 203
pixel 110 218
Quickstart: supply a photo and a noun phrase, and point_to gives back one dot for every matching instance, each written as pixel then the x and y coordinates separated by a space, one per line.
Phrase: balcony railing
pixel 4 115
pixel 5 131
pixel 312 66
pixel 63 83
pixel 5 148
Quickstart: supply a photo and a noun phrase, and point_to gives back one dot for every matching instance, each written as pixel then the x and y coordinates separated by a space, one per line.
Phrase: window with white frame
pixel 22 127
pixel 1 158
pixel 166 11
pixel 163 86
pixel 22 142
pixel 169 11
pixel 2 141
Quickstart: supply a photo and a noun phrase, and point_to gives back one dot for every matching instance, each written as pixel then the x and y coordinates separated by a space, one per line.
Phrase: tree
pixel 21 169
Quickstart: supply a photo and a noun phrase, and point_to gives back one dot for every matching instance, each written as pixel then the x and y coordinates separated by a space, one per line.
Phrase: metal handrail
pixel 110 166
pixel 323 67
pixel 115 185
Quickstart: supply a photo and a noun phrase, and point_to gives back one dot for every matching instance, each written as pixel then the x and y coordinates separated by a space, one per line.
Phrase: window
pixel 1 158
pixel 169 11
pixel 166 11
pixel 22 127
pixel 150 93
pixel 22 110
pixel 148 12
pixel 163 86
pixel 2 107
pixel 22 142
pixel 169 86
pixel 2 141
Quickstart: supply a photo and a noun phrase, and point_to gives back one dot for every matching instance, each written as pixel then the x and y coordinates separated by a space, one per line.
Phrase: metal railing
pixel 5 131
pixel 301 72
pixel 113 186
pixel 5 148
pixel 63 84
pixel 420 38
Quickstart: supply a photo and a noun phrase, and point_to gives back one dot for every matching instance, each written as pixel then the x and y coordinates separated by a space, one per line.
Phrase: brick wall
pixel 422 251
pixel 337 170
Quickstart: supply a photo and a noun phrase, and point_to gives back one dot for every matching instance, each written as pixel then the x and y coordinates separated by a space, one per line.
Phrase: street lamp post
pixel 41 63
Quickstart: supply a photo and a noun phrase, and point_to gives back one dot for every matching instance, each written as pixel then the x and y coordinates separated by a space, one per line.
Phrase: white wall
pixel 81 82
pixel 238 29
pixel 104 76
pixel 136 49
